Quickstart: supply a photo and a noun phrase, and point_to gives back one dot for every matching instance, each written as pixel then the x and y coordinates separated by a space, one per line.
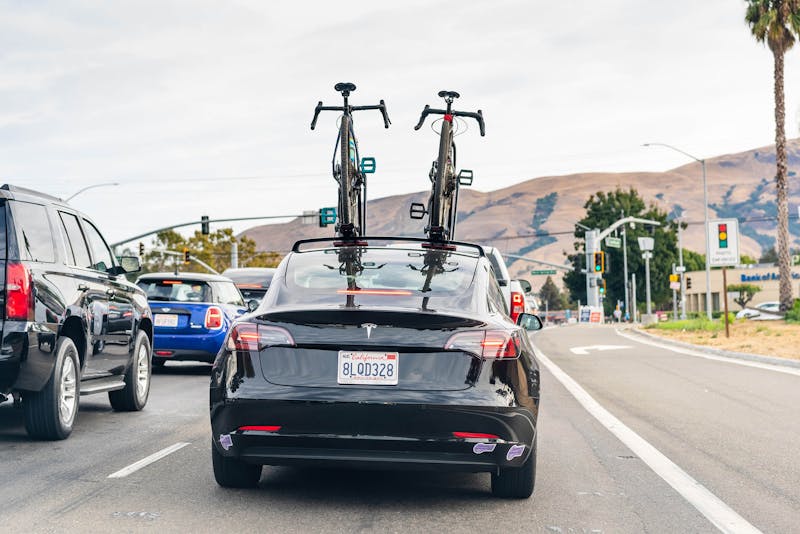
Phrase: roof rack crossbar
pixel 363 240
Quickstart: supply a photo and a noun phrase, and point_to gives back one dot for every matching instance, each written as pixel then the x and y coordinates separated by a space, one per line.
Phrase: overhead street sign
pixel 723 242
pixel 544 271
pixel 613 242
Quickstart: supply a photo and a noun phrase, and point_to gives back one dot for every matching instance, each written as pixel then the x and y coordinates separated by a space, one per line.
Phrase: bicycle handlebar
pixel 381 107
pixel 427 110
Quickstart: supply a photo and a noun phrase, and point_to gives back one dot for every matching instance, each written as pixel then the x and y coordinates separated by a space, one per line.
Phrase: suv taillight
pixel 255 337
pixel 486 343
pixel 517 305
pixel 214 318
pixel 19 292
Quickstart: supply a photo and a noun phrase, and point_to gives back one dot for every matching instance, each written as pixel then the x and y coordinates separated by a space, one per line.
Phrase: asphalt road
pixel 735 429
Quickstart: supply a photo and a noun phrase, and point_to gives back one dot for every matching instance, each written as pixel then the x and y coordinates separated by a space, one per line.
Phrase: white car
pixel 500 272
pixel 770 308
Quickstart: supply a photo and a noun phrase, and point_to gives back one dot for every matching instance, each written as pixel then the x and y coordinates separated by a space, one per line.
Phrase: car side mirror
pixel 252 305
pixel 526 286
pixel 529 322
pixel 127 264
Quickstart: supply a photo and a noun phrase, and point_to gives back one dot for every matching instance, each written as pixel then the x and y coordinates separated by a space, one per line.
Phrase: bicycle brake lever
pixel 316 114
pixel 386 121
pixel 424 114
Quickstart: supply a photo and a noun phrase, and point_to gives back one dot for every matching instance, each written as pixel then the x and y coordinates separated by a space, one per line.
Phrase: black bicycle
pixel 351 171
pixel 443 203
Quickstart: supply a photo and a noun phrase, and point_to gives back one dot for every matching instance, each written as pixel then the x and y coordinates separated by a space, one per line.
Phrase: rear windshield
pixel 216 292
pixel 395 277
pixel 251 280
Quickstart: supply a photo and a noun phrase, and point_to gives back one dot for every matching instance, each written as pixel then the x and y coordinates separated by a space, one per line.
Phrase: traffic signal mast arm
pixel 566 268
pixel 605 233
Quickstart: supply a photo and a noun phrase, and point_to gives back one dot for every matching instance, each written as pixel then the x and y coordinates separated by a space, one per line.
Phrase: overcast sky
pixel 204 107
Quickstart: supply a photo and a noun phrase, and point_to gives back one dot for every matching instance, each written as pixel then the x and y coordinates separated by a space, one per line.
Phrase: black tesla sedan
pixel 372 356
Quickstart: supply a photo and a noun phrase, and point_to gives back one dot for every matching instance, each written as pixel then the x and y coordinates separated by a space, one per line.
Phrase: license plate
pixel 166 319
pixel 370 368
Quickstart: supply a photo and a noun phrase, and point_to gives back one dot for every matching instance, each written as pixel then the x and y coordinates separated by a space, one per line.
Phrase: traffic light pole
pixel 593 240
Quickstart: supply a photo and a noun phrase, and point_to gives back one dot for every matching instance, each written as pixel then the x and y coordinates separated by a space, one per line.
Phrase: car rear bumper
pixel 188 346
pixel 181 355
pixel 374 435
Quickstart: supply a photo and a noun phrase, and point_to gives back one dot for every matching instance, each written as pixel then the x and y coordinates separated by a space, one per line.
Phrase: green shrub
pixel 691 325
pixel 793 315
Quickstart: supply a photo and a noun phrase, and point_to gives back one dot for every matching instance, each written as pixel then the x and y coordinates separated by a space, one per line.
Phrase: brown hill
pixel 536 217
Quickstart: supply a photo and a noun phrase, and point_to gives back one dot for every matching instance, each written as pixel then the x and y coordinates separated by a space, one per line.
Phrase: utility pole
pixel 682 269
pixel 633 297
pixel 625 262
pixel 674 300
pixel 234 255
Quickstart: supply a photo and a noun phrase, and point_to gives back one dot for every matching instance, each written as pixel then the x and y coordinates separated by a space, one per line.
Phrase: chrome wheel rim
pixel 142 372
pixel 68 398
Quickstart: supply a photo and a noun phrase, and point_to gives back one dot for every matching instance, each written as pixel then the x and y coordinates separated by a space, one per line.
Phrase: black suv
pixel 71 323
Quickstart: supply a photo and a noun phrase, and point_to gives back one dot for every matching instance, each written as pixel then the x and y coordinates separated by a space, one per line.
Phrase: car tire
pixel 516 482
pixel 233 473
pixel 133 396
pixel 50 413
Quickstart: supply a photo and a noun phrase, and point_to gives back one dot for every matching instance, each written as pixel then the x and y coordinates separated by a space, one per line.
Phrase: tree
pixel 602 210
pixel 769 256
pixel 551 296
pixel 213 249
pixel 777 22
pixel 746 293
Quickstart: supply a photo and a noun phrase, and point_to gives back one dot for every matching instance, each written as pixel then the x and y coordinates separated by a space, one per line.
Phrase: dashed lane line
pixel 708 504
pixel 144 462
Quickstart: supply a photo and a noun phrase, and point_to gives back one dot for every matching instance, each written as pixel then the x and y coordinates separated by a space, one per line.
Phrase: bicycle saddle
pixel 449 94
pixel 345 86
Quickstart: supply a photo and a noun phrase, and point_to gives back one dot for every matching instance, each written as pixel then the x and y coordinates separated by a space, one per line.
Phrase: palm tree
pixel 777 22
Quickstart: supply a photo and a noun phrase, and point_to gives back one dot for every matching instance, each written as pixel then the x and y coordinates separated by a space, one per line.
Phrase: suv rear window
pixel 191 291
pixel 381 276
pixel 33 232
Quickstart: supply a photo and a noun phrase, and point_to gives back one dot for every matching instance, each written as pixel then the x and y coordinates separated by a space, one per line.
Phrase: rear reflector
pixel 256 337
pixel 214 318
pixel 474 435
pixel 163 353
pixel 260 428
pixel 19 292
pixel 486 343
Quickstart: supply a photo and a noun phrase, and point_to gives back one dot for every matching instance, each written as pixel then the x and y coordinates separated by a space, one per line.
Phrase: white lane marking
pixel 585 350
pixel 144 462
pixel 708 504
pixel 698 354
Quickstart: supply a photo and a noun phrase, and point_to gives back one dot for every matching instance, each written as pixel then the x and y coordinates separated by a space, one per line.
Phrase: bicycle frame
pixel 443 204
pixel 352 209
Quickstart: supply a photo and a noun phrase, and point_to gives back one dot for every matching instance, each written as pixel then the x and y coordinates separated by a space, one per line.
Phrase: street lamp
pixel 90 187
pixel 705 217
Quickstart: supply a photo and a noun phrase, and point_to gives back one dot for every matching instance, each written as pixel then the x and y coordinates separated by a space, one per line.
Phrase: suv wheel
pixel 50 413
pixel 516 482
pixel 233 473
pixel 133 396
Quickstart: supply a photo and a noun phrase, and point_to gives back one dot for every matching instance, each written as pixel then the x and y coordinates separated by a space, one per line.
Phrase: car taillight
pixel 19 292
pixel 256 337
pixel 486 343
pixel 214 317
pixel 517 305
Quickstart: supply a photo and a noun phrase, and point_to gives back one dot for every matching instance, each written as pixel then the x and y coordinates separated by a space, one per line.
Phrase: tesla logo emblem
pixel 369 327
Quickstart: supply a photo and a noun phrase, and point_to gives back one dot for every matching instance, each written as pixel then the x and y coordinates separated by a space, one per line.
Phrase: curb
pixel 716 352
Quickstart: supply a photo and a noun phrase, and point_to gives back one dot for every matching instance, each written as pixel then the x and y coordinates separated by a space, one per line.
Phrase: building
pixel 764 275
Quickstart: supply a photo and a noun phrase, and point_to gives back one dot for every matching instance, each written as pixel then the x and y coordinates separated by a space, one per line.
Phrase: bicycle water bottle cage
pixel 451 95
pixel 464 177
pixel 345 87
pixel 417 210
pixel 367 165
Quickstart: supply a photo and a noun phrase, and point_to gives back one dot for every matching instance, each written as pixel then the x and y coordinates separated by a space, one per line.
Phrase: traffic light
pixel 141 248
pixel 186 256
pixel 688 283
pixel 602 288
pixel 599 262
pixel 327 216
pixel 722 235
pixel 204 225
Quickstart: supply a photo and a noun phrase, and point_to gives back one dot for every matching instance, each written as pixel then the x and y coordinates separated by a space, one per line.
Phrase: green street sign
pixel 544 271
pixel 613 242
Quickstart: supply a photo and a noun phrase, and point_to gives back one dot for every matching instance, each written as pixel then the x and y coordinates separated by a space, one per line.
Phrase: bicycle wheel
pixel 346 208
pixel 440 203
